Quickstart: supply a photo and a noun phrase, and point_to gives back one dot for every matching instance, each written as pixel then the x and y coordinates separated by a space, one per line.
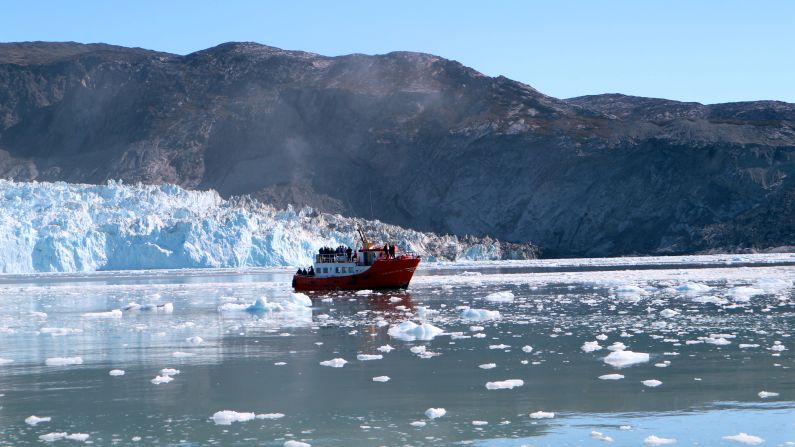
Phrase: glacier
pixel 63 227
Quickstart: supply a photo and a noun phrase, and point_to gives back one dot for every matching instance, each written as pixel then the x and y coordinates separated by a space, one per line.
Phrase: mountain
pixel 411 139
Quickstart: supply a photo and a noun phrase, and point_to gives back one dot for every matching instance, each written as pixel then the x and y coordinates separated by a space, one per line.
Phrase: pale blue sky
pixel 706 51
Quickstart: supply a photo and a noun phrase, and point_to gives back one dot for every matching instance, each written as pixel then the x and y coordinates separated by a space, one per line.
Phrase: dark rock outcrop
pixel 411 139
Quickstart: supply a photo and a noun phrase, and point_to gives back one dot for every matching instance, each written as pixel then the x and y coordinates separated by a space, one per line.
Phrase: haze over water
pixel 716 338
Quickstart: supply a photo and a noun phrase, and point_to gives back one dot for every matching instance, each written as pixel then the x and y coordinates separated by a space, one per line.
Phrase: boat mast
pixel 365 242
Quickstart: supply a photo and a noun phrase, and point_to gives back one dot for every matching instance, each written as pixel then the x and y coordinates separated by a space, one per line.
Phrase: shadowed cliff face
pixel 410 139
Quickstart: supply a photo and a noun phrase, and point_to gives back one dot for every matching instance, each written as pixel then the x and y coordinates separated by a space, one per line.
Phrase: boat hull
pixel 383 274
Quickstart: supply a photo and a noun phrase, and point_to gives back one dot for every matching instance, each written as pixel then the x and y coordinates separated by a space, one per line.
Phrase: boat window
pixel 325 269
pixel 338 269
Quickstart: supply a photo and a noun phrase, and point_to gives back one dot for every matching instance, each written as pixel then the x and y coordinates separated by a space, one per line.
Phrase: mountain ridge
pixel 409 138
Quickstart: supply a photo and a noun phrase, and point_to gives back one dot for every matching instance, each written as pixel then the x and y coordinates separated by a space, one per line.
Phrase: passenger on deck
pixel 392 251
pixel 311 271
pixel 298 272
pixel 348 251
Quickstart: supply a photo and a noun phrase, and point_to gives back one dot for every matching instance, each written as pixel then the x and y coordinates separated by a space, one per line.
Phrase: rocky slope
pixel 407 138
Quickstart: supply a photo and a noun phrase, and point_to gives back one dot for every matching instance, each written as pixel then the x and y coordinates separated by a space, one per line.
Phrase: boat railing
pixel 332 258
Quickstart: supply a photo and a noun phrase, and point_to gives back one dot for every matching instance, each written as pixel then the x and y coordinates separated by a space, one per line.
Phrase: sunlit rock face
pixel 409 139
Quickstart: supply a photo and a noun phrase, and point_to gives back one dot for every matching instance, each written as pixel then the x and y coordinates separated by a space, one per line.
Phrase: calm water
pixel 691 322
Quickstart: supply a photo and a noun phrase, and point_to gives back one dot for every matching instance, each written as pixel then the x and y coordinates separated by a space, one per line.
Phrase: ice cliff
pixel 61 227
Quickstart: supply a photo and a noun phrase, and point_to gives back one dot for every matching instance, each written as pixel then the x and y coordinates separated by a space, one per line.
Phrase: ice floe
pixel 590 346
pixel 744 438
pixel 504 384
pixel 410 331
pixel 116 372
pixel 500 297
pixel 227 417
pixel 611 377
pixel 480 314
pixel 63 361
pixel 381 379
pixel 656 440
pixel 35 420
pixel 433 413
pixel 651 383
pixel 622 359
pixel 334 363
pixel 542 415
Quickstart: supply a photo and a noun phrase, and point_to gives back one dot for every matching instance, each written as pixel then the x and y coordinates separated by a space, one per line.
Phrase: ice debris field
pixel 467 356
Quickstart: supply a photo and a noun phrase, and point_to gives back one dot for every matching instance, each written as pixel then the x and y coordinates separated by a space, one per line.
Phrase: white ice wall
pixel 60 227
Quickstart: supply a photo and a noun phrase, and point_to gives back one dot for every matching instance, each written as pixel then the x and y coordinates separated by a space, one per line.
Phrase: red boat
pixel 371 267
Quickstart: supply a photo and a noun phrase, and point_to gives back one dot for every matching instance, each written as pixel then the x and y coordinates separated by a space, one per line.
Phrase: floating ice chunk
pixel 487 366
pixel 82 437
pixel 504 384
pixel 476 328
pixel 385 348
pixel 716 339
pixel 500 297
pixel 195 340
pixel 601 337
pixel 668 313
pixel 169 372
pixel 57 331
pixel 480 314
pixel 33 420
pixel 425 313
pixel 747 345
pixel 116 372
pixel 381 379
pixel 161 379
pixel 366 357
pixel 410 331
pixel 63 361
pixel 433 413
pixel 180 354
pixel 418 424
pixel 766 394
pixel 480 423
pixel 38 314
pixel 590 346
pixel 292 443
pixel 261 305
pixel 693 287
pixel 777 346
pixel 542 415
pixel 334 363
pixel 611 377
pixel 527 348
pixel 617 346
pixel 744 438
pixel 710 299
pixel 5 361
pixel 300 299
pixel 395 299
pixel 270 416
pixel 115 313
pixel 656 440
pixel 629 290
pixel 364 292
pixel 651 383
pixel 743 294
pixel 227 417
pixel 500 346
pixel 601 436
pixel 51 437
pixel 621 359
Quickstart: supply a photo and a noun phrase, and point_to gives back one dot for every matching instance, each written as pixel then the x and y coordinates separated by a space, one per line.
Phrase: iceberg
pixel 62 227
